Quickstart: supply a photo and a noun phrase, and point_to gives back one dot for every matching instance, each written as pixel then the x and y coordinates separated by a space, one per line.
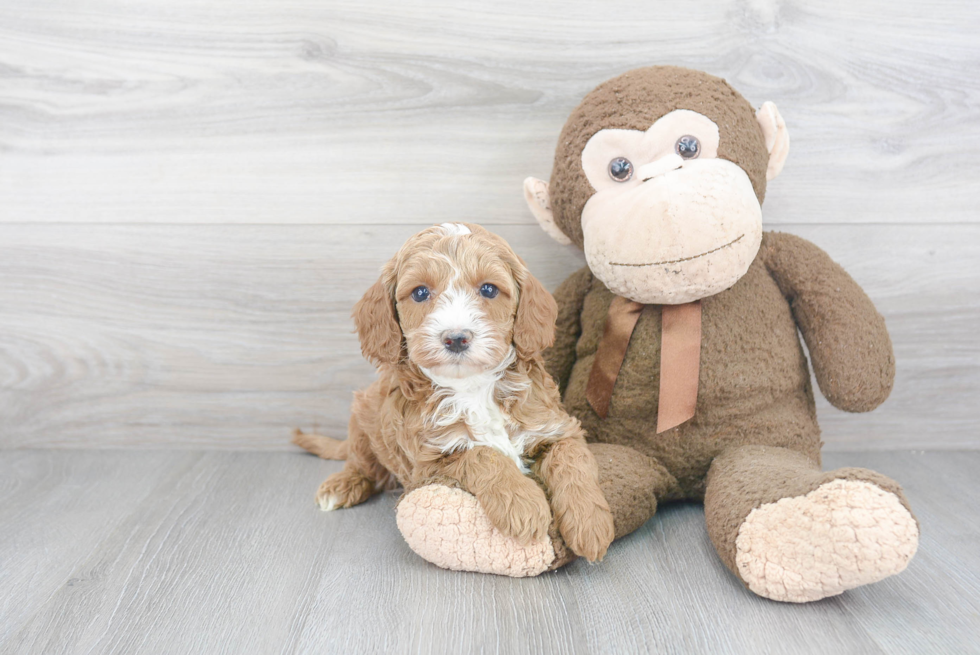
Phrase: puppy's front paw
pixel 587 528
pixel 343 489
pixel 520 511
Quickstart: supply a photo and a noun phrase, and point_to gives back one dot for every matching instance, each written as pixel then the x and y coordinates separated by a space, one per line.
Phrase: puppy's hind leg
pixel 345 489
pixel 362 476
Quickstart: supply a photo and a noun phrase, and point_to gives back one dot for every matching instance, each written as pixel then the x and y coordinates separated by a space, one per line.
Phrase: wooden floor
pixel 224 552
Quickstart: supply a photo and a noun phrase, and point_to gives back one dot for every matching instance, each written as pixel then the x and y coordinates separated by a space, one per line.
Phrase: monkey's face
pixel 669 222
pixel 659 176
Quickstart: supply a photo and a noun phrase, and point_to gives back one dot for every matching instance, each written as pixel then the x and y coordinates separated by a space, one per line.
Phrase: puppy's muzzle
pixel 457 341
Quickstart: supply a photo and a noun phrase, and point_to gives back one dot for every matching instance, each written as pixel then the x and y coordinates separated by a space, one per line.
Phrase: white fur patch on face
pixel 458 310
pixel 455 229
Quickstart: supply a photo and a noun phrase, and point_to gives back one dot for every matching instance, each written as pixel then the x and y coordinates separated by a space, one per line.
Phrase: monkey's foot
pixel 841 535
pixel 448 528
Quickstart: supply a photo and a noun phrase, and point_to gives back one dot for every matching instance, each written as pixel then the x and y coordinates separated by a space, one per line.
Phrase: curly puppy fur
pixel 484 417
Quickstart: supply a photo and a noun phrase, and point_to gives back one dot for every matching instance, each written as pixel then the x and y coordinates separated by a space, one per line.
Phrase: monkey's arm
pixel 846 336
pixel 570 296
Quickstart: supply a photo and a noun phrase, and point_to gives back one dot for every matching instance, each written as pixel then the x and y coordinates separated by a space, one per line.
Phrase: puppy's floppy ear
pixel 534 326
pixel 376 321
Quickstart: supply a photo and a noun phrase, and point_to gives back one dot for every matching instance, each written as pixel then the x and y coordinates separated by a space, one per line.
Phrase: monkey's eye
pixel 420 294
pixel 489 291
pixel 688 147
pixel 620 169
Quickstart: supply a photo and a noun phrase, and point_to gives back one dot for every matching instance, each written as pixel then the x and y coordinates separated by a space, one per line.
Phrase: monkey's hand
pixel 847 339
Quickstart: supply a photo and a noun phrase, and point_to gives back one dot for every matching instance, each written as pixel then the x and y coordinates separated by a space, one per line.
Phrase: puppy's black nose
pixel 457 342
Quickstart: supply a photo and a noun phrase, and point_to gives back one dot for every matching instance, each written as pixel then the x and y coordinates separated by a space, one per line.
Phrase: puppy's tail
pixel 325 447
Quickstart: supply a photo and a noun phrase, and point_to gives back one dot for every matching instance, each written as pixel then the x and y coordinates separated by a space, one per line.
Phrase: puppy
pixel 456 325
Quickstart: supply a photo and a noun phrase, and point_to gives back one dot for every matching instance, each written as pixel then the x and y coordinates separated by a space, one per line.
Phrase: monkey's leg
pixel 793 533
pixel 446 525
pixel 631 483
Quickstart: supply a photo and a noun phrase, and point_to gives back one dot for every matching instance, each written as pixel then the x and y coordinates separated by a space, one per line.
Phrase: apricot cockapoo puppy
pixel 456 325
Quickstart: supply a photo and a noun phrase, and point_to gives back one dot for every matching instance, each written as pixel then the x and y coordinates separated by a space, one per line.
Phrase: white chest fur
pixel 471 401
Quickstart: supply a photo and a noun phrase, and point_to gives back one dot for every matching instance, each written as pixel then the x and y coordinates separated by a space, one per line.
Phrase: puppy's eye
pixel 420 294
pixel 688 147
pixel 620 169
pixel 489 291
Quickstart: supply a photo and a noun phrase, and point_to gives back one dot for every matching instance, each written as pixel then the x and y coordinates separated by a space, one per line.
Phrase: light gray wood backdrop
pixel 193 194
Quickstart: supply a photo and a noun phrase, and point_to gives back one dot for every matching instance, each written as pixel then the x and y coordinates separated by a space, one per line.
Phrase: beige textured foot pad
pixel 841 535
pixel 448 527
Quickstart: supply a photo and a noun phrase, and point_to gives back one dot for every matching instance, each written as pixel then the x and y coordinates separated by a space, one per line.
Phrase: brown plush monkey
pixel 678 348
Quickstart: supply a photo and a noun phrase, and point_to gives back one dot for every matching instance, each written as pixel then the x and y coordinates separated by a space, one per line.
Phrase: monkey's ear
pixel 538 200
pixel 776 135
pixel 377 323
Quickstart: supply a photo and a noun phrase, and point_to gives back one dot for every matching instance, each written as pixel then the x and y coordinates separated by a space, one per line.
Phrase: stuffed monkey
pixel 678 347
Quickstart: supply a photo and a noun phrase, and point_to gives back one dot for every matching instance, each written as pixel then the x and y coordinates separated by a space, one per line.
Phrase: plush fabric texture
pixel 754 382
pixel 631 482
pixel 447 527
pixel 633 101
pixel 702 223
pixel 849 346
pixel 755 424
pixel 754 385
pixel 868 533
pixel 841 535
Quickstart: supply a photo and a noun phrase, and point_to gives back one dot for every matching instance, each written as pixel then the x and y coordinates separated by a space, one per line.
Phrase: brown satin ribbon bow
pixel 680 359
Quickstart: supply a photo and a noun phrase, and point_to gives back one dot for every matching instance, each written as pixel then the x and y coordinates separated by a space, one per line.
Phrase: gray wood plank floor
pixel 224 552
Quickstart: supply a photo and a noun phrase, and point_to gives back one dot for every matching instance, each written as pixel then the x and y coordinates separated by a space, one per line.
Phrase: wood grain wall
pixel 193 194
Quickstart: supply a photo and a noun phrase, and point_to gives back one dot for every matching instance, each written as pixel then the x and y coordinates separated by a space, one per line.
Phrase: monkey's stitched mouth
pixel 685 259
